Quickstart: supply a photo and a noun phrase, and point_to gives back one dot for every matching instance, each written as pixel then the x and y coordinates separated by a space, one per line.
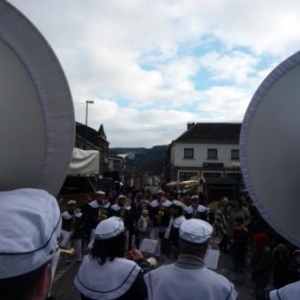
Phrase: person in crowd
pixel 177 210
pixel 141 206
pixel 124 210
pixel 105 273
pixel 239 239
pixel 220 225
pixel 202 212
pixel 261 265
pixel 72 224
pixel 190 211
pixel 165 244
pixel 144 226
pixel 236 209
pixel 188 278
pixel 196 210
pixel 153 208
pixel 281 262
pixel 92 215
pixel 294 268
pixel 29 232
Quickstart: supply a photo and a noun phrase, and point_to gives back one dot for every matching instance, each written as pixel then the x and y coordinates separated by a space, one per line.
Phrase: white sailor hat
pixel 145 212
pixel 166 203
pixel 195 231
pixel 71 202
pixel 109 228
pixel 121 196
pixel 201 209
pixel 30 228
pixel 101 193
pixel 194 197
pixel 178 203
pixel 160 191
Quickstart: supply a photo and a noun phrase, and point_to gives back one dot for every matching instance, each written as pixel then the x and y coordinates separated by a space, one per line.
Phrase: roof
pixel 91 134
pixel 212 132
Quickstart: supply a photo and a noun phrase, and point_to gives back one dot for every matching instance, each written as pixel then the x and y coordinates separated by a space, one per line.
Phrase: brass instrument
pixel 70 251
pixel 152 261
pixel 159 216
pixel 102 215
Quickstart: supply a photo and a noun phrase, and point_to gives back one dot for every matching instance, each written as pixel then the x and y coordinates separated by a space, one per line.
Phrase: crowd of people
pixel 255 249
pixel 108 231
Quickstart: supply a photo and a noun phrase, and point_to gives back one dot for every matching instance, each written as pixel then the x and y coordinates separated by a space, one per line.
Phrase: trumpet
pixel 102 214
pixel 70 251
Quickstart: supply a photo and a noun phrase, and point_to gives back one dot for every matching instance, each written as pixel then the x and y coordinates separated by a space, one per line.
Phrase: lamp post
pixel 86 120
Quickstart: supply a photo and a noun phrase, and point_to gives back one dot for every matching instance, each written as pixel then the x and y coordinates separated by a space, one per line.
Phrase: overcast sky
pixel 152 66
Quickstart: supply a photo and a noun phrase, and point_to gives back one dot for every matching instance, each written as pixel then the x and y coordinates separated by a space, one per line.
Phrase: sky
pixel 152 66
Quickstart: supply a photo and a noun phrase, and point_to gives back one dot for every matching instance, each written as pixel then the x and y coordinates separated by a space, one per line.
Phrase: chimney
pixel 190 125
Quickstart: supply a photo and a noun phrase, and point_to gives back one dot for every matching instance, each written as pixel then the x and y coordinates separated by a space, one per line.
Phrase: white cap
pixel 166 203
pixel 195 231
pixel 178 203
pixel 101 193
pixel 30 228
pixel 160 191
pixel 109 228
pixel 71 202
pixel 201 208
pixel 195 197
pixel 121 196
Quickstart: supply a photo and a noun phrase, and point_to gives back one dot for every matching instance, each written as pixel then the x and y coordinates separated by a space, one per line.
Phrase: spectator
pixel 281 262
pixel 144 225
pixel 239 242
pixel 261 265
pixel 294 269
pixel 220 226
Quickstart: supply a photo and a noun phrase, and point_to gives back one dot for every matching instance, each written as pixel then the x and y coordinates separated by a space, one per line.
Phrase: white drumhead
pixel 36 109
pixel 270 147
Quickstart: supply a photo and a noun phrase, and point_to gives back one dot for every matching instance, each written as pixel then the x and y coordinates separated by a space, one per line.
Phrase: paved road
pixel 63 288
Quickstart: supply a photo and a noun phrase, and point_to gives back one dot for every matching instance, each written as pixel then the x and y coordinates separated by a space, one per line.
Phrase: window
pixel 212 153
pixel 212 174
pixel 235 154
pixel 183 176
pixel 188 153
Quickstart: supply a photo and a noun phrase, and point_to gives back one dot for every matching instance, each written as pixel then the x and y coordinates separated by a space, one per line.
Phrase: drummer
pixel 28 246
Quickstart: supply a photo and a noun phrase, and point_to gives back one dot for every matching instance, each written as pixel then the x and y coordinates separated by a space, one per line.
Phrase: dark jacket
pixel 239 239
pixel 261 266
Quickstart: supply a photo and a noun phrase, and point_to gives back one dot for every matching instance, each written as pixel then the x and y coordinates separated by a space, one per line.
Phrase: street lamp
pixel 86 120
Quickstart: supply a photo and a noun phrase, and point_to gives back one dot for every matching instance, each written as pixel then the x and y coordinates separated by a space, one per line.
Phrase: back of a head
pixel 194 235
pixel 109 240
pixel 29 232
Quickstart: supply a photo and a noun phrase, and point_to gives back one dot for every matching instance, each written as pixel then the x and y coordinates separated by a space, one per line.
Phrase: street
pixel 63 288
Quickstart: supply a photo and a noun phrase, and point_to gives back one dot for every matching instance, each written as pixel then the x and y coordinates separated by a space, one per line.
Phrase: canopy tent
pixel 84 162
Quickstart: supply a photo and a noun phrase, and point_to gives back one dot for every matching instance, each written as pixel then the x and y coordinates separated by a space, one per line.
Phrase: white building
pixel 209 151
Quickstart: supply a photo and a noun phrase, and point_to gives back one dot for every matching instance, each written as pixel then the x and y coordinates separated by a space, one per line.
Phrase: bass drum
pixel 270 147
pixel 37 125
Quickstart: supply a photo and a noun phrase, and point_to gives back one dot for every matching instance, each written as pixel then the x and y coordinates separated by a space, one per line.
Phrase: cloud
pixel 152 66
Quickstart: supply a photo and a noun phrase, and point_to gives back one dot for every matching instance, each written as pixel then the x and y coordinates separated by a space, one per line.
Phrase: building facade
pixel 208 152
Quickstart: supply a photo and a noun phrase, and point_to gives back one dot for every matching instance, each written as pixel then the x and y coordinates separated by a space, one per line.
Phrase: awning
pixel 219 180
pixel 84 162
